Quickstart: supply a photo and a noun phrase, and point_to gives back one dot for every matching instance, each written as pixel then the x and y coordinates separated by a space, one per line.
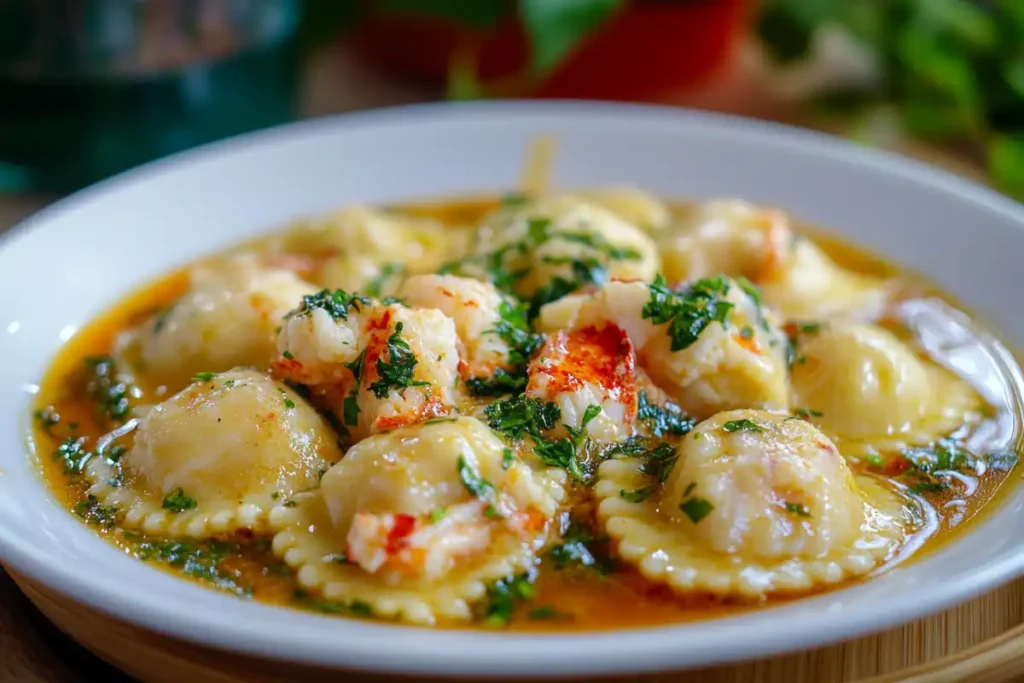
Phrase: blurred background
pixel 89 88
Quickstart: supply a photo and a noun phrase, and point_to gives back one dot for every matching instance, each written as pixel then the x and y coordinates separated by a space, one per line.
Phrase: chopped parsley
pixel 579 549
pixel 742 425
pixel 514 199
pixel 798 509
pixel 437 514
pixel 807 413
pixel 73 453
pixel 289 404
pixel 375 287
pixel 696 508
pixel 565 452
pixel 793 332
pixel 355 608
pixel 177 501
pixel 501 383
pixel 107 388
pixel 929 469
pixel 688 312
pixel 93 512
pixel 337 304
pixel 160 317
pixel 507 265
pixel 201 561
pixel 747 332
pixel 754 292
pixel 521 414
pixel 203 376
pixel 658 457
pixel 662 420
pixel 287 355
pixel 396 372
pixel 548 613
pixel 507 458
pixel 503 596
pixel 439 420
pixel 350 405
pixel 637 495
pixel 477 486
pixel 514 329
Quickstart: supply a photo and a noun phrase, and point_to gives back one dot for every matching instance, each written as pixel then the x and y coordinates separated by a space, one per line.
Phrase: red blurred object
pixel 650 50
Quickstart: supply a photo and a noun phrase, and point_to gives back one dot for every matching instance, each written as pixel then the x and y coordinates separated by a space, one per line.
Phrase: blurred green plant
pixel 554 28
pixel 953 70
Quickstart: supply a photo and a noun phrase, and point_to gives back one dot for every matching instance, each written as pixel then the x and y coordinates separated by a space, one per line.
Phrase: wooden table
pixel 34 651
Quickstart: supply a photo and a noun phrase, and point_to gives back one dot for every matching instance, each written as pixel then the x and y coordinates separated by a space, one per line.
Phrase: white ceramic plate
pixel 71 261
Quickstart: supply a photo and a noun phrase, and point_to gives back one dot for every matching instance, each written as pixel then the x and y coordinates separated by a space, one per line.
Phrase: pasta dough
pixel 756 504
pixel 871 391
pixel 227 319
pixel 360 245
pixel 215 457
pixel 544 238
pixel 425 517
pixel 797 278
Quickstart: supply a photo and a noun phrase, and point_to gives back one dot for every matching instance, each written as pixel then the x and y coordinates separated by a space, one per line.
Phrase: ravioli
pixel 813 286
pixel 214 458
pixel 227 319
pixel 868 391
pixel 359 247
pixel 756 504
pixel 797 278
pixel 632 205
pixel 416 523
pixel 730 237
pixel 551 239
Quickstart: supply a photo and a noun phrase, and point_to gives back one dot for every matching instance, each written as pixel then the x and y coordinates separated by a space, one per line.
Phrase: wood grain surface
pixel 981 641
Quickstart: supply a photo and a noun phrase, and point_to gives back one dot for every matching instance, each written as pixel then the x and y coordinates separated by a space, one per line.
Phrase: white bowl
pixel 71 261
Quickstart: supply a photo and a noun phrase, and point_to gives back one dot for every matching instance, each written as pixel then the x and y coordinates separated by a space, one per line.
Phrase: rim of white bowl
pixel 373 646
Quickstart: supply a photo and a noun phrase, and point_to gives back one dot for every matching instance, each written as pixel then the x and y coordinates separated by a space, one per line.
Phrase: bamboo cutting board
pixel 981 641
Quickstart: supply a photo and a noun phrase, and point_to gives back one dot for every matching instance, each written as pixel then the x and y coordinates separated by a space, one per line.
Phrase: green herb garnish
pixel 798 509
pixel 742 425
pixel 389 270
pixel 397 372
pixel 477 486
pixel 177 501
pixel 107 388
pixel 688 312
pixel 637 495
pixel 74 454
pixel 518 415
pixel 503 596
pixel 337 304
pixel 662 420
pixel 93 512
pixel 696 508
pixel 807 413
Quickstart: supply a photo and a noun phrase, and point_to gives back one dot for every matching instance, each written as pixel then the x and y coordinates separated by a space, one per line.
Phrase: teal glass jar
pixel 89 88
